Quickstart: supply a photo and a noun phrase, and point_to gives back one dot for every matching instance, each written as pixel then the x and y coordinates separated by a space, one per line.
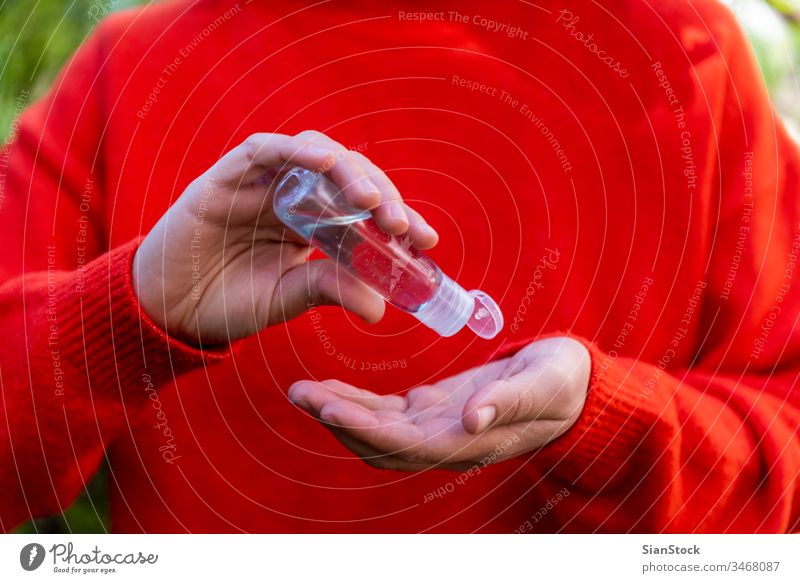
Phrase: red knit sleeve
pixel 714 447
pixel 78 358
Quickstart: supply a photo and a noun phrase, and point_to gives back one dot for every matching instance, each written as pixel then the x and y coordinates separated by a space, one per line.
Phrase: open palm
pixel 483 415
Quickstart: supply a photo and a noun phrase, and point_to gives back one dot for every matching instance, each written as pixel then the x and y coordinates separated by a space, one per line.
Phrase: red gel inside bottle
pixel 390 265
pixel 315 209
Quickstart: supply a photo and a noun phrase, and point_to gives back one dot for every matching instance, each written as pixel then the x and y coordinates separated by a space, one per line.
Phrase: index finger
pixel 388 208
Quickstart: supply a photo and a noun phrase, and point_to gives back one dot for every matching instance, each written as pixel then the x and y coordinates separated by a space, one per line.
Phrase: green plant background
pixel 37 36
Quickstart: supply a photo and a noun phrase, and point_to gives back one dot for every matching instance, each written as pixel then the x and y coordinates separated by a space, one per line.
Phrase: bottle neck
pixel 449 310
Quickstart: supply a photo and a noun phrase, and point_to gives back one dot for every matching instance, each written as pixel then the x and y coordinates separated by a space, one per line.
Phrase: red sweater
pixel 616 173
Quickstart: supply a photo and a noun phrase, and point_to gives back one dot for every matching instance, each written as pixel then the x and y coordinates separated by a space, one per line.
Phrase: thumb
pixel 322 282
pixel 544 388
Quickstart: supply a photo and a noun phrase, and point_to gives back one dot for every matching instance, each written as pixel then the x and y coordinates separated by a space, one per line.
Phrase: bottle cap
pixel 452 307
pixel 486 319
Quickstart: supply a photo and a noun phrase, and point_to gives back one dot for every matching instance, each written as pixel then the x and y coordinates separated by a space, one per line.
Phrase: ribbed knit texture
pixel 124 342
pixel 79 362
pixel 649 210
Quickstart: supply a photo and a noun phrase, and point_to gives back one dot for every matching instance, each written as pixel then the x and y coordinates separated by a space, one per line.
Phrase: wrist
pixel 148 286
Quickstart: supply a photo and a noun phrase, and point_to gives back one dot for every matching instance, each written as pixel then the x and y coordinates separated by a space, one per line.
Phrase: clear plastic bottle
pixel 313 207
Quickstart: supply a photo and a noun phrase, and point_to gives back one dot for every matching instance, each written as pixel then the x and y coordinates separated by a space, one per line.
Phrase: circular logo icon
pixel 31 556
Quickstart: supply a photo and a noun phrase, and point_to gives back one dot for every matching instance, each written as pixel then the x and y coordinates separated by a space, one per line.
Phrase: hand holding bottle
pixel 315 208
pixel 216 267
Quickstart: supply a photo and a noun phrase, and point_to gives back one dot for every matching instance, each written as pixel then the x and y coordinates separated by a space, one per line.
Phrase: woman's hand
pixel 219 265
pixel 523 402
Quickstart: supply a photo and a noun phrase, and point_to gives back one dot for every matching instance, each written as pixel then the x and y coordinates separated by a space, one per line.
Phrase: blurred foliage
pixel 37 36
pixel 773 27
pixel 787 9
pixel 88 514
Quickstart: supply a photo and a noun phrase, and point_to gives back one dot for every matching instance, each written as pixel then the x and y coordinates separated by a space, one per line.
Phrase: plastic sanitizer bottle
pixel 313 207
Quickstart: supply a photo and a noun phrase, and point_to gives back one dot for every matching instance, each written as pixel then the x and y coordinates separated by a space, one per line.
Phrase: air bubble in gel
pixel 314 208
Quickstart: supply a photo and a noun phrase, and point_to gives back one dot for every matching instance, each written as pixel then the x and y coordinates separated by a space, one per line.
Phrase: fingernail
pixel 396 211
pixel 303 405
pixel 485 415
pixel 326 156
pixel 296 397
pixel 317 151
pixel 292 392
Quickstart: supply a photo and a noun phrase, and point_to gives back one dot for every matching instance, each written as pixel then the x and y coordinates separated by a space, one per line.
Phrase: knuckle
pixel 326 273
pixel 361 158
pixel 310 135
pixel 252 143
pixel 414 393
pixel 315 138
pixel 523 405
pixel 324 279
pixel 515 409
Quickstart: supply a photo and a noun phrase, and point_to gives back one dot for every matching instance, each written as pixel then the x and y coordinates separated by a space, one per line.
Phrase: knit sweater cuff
pixel 105 329
pixel 619 412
